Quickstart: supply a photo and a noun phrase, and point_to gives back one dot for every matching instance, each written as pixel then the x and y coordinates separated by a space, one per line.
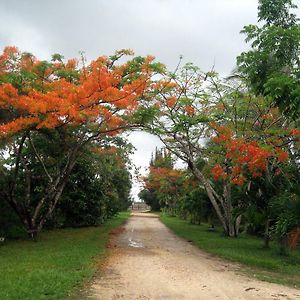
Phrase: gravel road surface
pixel 148 261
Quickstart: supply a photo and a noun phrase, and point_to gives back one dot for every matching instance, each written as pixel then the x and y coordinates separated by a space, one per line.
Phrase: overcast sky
pixel 205 32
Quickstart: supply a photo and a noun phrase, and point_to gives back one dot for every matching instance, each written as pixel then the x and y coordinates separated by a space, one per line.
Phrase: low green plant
pixel 57 265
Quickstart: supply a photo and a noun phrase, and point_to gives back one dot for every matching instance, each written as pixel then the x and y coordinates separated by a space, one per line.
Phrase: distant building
pixel 142 206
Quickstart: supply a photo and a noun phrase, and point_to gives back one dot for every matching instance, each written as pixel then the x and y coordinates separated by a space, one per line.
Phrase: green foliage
pixel 271 67
pixel 57 57
pixel 276 12
pixel 144 115
pixel 271 206
pixel 98 188
pixel 195 206
pixel 286 207
pixel 150 198
pixel 135 68
pixel 285 91
pixel 10 225
pixel 69 75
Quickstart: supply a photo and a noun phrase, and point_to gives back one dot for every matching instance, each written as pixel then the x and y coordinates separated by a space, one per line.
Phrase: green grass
pixel 265 264
pixel 57 265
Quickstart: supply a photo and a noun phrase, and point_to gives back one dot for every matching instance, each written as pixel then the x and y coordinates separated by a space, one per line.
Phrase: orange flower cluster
pixel 254 157
pixel 163 180
pixel 190 110
pixel 99 95
pixel 282 156
pixel 224 134
pixel 295 132
pixel 163 84
pixel 239 180
pixel 243 155
pixel 17 125
pixel 8 53
pixel 218 172
pixel 171 101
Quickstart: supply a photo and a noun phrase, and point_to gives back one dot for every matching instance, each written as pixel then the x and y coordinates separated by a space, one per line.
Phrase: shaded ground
pixel 148 261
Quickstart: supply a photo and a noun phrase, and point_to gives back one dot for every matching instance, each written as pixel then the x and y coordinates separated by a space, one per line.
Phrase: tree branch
pixel 40 159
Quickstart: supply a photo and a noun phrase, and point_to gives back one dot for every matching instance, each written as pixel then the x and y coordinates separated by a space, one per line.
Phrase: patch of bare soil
pixel 148 261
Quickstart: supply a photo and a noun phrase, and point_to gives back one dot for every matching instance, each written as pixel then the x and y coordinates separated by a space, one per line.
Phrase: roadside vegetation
pixel 262 263
pixel 57 265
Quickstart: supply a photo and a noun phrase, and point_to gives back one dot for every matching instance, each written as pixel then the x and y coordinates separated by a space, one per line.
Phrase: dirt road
pixel 149 262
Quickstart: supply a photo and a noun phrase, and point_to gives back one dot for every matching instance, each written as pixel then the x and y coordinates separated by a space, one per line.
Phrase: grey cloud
pixel 203 31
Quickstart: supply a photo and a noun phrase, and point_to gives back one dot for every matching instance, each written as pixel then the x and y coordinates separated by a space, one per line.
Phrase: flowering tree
pixel 168 184
pixel 256 150
pixel 196 110
pixel 182 111
pixel 72 103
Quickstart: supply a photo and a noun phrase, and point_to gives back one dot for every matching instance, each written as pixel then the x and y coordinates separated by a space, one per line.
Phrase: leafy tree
pixel 163 180
pixel 174 190
pixel 196 110
pixel 150 198
pixel 253 146
pixel 98 188
pixel 183 107
pixel 271 67
pixel 196 206
pixel 286 208
pixel 76 104
pixel 161 159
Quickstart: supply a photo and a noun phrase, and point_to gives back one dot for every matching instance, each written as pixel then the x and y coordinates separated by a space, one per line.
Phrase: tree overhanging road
pixel 149 262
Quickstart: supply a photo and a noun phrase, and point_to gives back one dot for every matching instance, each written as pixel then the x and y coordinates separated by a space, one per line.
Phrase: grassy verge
pixel 265 264
pixel 55 266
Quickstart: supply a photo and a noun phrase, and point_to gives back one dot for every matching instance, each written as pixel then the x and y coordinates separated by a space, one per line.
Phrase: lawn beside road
pixel 265 264
pixel 57 265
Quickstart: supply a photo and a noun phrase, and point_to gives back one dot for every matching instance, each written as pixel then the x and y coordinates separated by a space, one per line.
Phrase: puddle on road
pixel 135 244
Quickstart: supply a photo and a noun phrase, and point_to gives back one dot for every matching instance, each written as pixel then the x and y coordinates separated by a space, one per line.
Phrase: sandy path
pixel 150 262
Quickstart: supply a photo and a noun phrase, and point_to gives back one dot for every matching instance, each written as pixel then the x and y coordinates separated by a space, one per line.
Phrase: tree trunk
pixel 283 244
pixel 221 205
pixel 33 221
pixel 237 224
pixel 267 235
pixel 211 196
pixel 32 234
pixel 52 206
pixel 228 210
